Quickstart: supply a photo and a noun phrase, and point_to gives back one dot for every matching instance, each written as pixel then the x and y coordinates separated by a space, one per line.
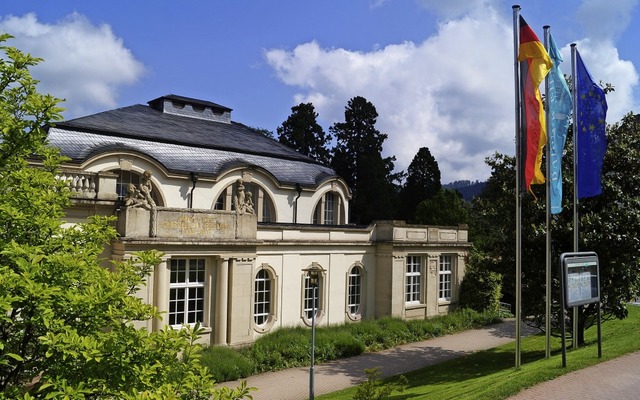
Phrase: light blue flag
pixel 560 105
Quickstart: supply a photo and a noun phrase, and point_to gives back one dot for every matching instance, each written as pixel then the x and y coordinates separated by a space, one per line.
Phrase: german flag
pixel 535 64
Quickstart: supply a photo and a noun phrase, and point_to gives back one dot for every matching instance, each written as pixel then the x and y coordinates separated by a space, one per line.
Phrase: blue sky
pixel 440 73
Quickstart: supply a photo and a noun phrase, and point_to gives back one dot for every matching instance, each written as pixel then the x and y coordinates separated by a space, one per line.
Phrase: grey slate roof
pixel 182 144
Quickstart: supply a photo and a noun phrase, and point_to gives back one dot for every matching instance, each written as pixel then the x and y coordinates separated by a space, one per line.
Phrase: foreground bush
pixel 290 347
pixel 230 364
pixel 481 288
pixel 68 325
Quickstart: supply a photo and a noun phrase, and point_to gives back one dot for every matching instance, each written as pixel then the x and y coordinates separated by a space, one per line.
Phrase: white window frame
pixel 262 297
pixel 307 299
pixel 329 208
pixel 194 290
pixel 355 300
pixel 413 280
pixel 445 277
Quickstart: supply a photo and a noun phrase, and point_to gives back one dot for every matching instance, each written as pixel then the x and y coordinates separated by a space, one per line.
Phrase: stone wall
pixel 177 223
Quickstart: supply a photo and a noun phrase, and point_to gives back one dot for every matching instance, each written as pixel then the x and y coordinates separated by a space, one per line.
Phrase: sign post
pixel 580 285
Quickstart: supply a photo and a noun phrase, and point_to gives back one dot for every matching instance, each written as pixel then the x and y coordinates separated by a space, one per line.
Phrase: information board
pixel 581 278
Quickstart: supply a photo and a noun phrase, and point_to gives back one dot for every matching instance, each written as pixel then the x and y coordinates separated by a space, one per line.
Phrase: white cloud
pixel 455 8
pixel 83 63
pixel 604 64
pixel 603 24
pixel 453 92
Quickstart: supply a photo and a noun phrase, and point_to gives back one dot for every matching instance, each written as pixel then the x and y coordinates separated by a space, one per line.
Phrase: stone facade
pixel 239 246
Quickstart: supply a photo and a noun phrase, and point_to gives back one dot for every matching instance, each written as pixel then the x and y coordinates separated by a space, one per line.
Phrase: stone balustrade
pixel 90 185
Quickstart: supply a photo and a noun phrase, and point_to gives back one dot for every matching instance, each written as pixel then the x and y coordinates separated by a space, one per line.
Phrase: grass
pixel 491 374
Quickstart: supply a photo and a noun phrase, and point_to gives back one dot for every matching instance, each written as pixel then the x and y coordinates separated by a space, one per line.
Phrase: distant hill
pixel 468 189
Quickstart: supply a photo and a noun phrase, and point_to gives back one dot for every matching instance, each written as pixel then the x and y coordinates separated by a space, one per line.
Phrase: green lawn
pixel 491 374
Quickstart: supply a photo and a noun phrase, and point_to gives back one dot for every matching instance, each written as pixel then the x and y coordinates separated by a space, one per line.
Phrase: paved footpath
pixel 293 384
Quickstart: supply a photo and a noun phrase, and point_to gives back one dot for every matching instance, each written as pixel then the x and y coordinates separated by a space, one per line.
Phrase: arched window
pixel 262 297
pixel 263 205
pixel 127 177
pixel 354 291
pixel 312 296
pixel 329 210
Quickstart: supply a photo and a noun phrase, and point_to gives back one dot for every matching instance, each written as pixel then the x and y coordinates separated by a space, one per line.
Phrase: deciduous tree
pixel 67 325
pixel 609 224
pixel 445 208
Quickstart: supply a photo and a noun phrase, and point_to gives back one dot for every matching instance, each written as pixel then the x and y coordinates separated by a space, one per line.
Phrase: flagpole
pixel 574 90
pixel 547 320
pixel 516 68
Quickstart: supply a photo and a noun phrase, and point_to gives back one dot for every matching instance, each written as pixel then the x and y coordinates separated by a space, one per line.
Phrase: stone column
pixel 239 311
pixel 432 285
pixel 222 302
pixel 161 278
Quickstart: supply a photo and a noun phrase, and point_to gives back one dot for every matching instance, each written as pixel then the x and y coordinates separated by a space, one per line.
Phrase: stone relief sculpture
pixel 134 197
pixel 242 201
pixel 145 189
pixel 141 197
pixel 248 204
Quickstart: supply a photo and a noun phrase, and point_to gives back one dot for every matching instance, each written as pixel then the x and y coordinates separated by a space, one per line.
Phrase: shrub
pixel 284 348
pixel 369 333
pixel 333 344
pixel 481 289
pixel 395 330
pixel 291 347
pixel 226 364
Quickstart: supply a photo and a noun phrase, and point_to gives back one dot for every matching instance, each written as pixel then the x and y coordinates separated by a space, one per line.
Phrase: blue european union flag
pixel 591 136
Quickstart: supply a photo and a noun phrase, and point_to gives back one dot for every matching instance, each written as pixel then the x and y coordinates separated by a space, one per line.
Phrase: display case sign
pixel 581 279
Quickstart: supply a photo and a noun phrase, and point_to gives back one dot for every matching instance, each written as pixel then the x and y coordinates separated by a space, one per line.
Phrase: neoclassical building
pixel 244 222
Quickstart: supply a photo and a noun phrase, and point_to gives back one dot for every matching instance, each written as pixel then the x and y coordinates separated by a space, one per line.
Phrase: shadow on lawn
pixel 482 363
pixel 459 369
pixel 391 362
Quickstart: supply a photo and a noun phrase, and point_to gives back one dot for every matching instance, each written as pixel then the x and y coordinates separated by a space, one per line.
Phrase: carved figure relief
pixel 242 201
pixel 141 197
pixel 248 204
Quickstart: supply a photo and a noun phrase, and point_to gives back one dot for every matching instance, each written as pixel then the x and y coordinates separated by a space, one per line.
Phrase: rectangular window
pixel 413 279
pixel 186 291
pixel 444 277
